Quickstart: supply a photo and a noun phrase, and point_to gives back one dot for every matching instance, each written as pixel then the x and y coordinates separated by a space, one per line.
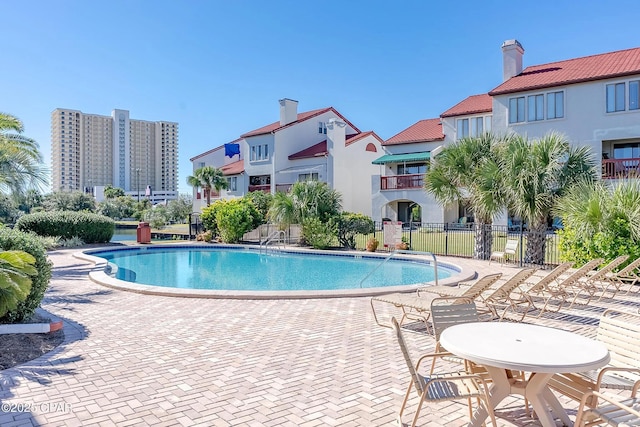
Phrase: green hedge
pixel 16 240
pixel 91 228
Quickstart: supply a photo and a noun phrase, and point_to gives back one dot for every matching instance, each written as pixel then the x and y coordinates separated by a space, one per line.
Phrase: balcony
pixel 264 188
pixel 620 168
pixel 401 182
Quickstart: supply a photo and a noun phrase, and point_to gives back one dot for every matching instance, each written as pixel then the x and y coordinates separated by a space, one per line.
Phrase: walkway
pixel 131 359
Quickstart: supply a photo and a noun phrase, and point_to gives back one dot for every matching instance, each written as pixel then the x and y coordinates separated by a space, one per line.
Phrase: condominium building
pixel 90 150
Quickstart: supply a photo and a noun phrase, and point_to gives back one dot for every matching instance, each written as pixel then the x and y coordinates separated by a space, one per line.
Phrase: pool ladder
pixel 277 236
pixel 406 252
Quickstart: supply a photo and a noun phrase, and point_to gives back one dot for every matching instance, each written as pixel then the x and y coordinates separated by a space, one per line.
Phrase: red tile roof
pixel 472 105
pixel 233 168
pixel 275 126
pixel 320 149
pixel 235 141
pixel 577 70
pixel 423 131
pixel 353 138
pixel 316 150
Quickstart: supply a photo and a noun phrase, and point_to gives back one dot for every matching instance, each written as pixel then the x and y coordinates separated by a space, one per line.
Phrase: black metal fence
pixel 459 240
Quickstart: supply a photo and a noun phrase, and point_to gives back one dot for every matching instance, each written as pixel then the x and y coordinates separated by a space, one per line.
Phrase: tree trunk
pixel 536 243
pixel 483 241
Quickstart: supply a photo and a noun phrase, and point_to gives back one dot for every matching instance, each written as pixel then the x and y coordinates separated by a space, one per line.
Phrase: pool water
pixel 242 269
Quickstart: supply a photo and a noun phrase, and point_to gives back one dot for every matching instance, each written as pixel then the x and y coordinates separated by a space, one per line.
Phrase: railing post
pixel 521 260
pixel 446 238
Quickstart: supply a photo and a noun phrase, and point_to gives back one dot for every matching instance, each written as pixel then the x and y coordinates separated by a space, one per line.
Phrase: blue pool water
pixel 245 269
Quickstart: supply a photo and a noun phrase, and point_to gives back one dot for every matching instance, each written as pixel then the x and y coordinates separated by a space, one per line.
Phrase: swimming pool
pixel 225 270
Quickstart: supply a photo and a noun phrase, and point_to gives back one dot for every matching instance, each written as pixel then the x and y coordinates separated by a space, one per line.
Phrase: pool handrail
pixel 270 239
pixel 403 251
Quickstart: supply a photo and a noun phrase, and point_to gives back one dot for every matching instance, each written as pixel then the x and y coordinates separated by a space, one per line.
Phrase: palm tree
pixel 468 171
pixel 535 175
pixel 589 208
pixel 207 178
pixel 20 159
pixel 307 199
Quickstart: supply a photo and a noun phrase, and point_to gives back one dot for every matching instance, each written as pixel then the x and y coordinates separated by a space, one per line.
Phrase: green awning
pixel 402 158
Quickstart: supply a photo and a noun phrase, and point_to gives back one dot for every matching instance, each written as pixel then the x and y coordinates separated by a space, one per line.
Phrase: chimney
pixel 288 111
pixel 512 52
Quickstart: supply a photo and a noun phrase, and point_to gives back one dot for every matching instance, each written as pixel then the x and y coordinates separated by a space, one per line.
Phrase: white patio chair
pixel 509 249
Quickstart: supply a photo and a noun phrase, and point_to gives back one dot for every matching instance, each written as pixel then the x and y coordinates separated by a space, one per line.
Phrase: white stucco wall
pixel 585 122
pixel 352 173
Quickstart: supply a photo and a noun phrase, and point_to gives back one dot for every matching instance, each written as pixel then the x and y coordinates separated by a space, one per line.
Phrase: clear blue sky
pixel 219 67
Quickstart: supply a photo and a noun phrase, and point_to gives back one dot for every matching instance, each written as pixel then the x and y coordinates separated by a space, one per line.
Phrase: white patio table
pixel 543 351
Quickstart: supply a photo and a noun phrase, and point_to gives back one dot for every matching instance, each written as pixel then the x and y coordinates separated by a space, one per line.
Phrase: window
pixel 555 105
pixel 463 128
pixel 232 183
pixel 487 124
pixel 615 97
pixel 308 177
pixel 477 126
pixel 412 169
pixel 322 128
pixel 634 95
pixel 260 152
pixel 536 108
pixel 516 110
pixel 626 151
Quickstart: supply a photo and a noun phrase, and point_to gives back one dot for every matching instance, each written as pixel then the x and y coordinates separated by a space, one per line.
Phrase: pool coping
pixel 98 275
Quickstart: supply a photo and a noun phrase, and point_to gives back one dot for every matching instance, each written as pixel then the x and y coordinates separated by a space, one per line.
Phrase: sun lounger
pixel 500 299
pixel 557 289
pixel 472 291
pixel 418 306
pixel 412 307
pixel 628 276
pixel 597 282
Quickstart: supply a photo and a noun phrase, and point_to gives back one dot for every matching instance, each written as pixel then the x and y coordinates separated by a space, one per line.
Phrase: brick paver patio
pixel 131 359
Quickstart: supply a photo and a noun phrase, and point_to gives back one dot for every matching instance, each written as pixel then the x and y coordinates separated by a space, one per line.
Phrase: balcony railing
pixel 401 182
pixel 620 168
pixel 264 188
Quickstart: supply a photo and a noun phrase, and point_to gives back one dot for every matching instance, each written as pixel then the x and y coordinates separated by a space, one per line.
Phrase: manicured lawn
pixel 461 243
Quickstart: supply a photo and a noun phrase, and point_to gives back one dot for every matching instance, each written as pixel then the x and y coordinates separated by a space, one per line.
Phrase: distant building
pixel 90 150
pixel 319 145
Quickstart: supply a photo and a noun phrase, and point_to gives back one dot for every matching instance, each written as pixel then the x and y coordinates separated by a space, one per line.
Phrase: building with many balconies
pixel 91 151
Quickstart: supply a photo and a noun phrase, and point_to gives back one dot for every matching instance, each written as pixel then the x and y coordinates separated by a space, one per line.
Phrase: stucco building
pixel 90 151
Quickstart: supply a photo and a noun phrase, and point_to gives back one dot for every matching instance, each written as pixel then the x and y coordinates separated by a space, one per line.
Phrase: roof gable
pixel 472 105
pixel 320 149
pixel 578 70
pixel 275 126
pixel 233 168
pixel 423 131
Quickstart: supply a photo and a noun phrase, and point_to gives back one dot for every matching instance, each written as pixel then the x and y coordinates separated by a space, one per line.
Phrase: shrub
pixel 17 240
pixel 234 218
pixel 156 217
pixel 91 228
pixel 208 217
pixel 610 243
pixel 349 225
pixel 262 201
pixel 16 267
pixel 318 234
pixel 207 236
